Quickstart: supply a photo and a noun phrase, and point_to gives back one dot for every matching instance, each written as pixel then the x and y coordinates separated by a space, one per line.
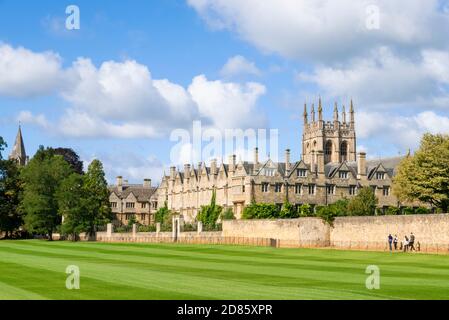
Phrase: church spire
pixel 18 151
pixel 313 112
pixel 351 112
pixel 335 112
pixel 320 110
pixel 305 113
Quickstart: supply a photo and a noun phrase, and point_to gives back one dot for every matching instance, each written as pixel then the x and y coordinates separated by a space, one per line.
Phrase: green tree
pixel 305 210
pixel 330 212
pixel 228 214
pixel 425 175
pixel 209 214
pixel 161 213
pixel 98 211
pixel 288 211
pixel 10 192
pixel 261 211
pixel 72 205
pixel 3 145
pixel 41 178
pixel 364 204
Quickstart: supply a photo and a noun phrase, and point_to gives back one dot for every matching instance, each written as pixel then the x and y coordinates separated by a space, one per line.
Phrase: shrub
pixel 364 204
pixel 209 214
pixel 422 210
pixel 306 210
pixel 392 211
pixel 228 214
pixel 150 228
pixel 288 211
pixel 190 227
pixel 408 211
pixel 261 211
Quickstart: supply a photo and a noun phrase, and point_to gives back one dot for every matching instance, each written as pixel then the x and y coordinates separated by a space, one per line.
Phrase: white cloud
pixel 402 131
pixel 130 166
pixel 384 79
pixel 227 104
pixel 327 29
pixel 122 100
pixel 28 117
pixel 239 65
pixel 24 73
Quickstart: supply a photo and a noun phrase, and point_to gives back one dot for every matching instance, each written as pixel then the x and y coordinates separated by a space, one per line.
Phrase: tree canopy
pixel 363 204
pixel 71 157
pixel 42 178
pixel 424 176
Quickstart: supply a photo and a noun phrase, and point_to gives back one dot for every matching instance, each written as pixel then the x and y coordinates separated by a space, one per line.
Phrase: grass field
pixel 36 270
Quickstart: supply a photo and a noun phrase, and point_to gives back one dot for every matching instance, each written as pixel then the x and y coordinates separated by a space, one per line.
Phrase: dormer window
pixel 343 174
pixel 380 175
pixel 269 172
pixel 301 173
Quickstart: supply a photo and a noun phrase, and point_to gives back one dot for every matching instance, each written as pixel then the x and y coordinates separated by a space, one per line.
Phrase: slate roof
pixel 143 194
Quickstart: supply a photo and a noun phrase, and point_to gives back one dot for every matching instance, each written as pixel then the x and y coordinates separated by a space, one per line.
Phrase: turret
pixel 305 114
pixel 351 112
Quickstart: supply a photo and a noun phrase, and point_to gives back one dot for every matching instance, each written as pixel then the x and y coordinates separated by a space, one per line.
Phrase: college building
pixel 330 169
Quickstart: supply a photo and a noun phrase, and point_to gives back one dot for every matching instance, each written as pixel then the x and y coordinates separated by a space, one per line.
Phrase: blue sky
pixel 160 65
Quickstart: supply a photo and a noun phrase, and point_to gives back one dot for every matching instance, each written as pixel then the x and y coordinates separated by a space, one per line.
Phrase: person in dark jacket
pixel 395 242
pixel 411 242
pixel 390 241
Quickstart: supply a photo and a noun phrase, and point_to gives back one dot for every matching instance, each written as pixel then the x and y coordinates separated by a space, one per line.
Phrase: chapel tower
pixel 335 139
pixel 18 153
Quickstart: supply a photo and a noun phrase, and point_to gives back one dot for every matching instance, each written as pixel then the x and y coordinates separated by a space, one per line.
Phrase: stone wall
pixel 431 231
pixel 291 232
pixel 367 233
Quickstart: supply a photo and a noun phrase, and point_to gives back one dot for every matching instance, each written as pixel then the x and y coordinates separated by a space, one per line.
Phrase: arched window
pixel 343 151
pixel 328 152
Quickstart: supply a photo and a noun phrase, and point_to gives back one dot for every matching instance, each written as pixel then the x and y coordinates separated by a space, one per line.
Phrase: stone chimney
pixel 320 161
pixel 187 171
pixel 119 183
pixel 232 163
pixel 172 172
pixel 287 160
pixel 147 183
pixel 256 156
pixel 213 167
pixel 200 167
pixel 361 165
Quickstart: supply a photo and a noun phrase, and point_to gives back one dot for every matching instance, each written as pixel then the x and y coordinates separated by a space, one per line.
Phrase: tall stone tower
pixel 18 153
pixel 336 139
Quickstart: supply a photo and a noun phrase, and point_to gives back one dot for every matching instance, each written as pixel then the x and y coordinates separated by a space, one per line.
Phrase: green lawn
pixel 36 270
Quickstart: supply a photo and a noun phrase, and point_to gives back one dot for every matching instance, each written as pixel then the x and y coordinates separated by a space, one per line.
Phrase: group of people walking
pixel 408 244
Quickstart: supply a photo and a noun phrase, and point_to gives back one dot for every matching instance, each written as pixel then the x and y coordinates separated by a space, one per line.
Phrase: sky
pixel 138 73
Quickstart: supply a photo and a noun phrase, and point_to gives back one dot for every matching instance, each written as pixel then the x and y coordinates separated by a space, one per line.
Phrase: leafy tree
pixel 425 175
pixel 41 178
pixel 393 211
pixel 98 210
pixel 71 157
pixel 132 220
pixel 288 211
pixel 72 203
pixel 364 204
pixel 209 214
pixel 228 214
pixel 261 211
pixel 3 145
pixel 161 213
pixel 305 210
pixel 330 212
pixel 10 192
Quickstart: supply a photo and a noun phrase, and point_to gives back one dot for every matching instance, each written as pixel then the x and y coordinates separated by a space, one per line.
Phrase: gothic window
pixel 328 152
pixel 265 187
pixel 312 189
pixel 344 151
pixel 352 190
pixel 278 187
pixel 298 188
